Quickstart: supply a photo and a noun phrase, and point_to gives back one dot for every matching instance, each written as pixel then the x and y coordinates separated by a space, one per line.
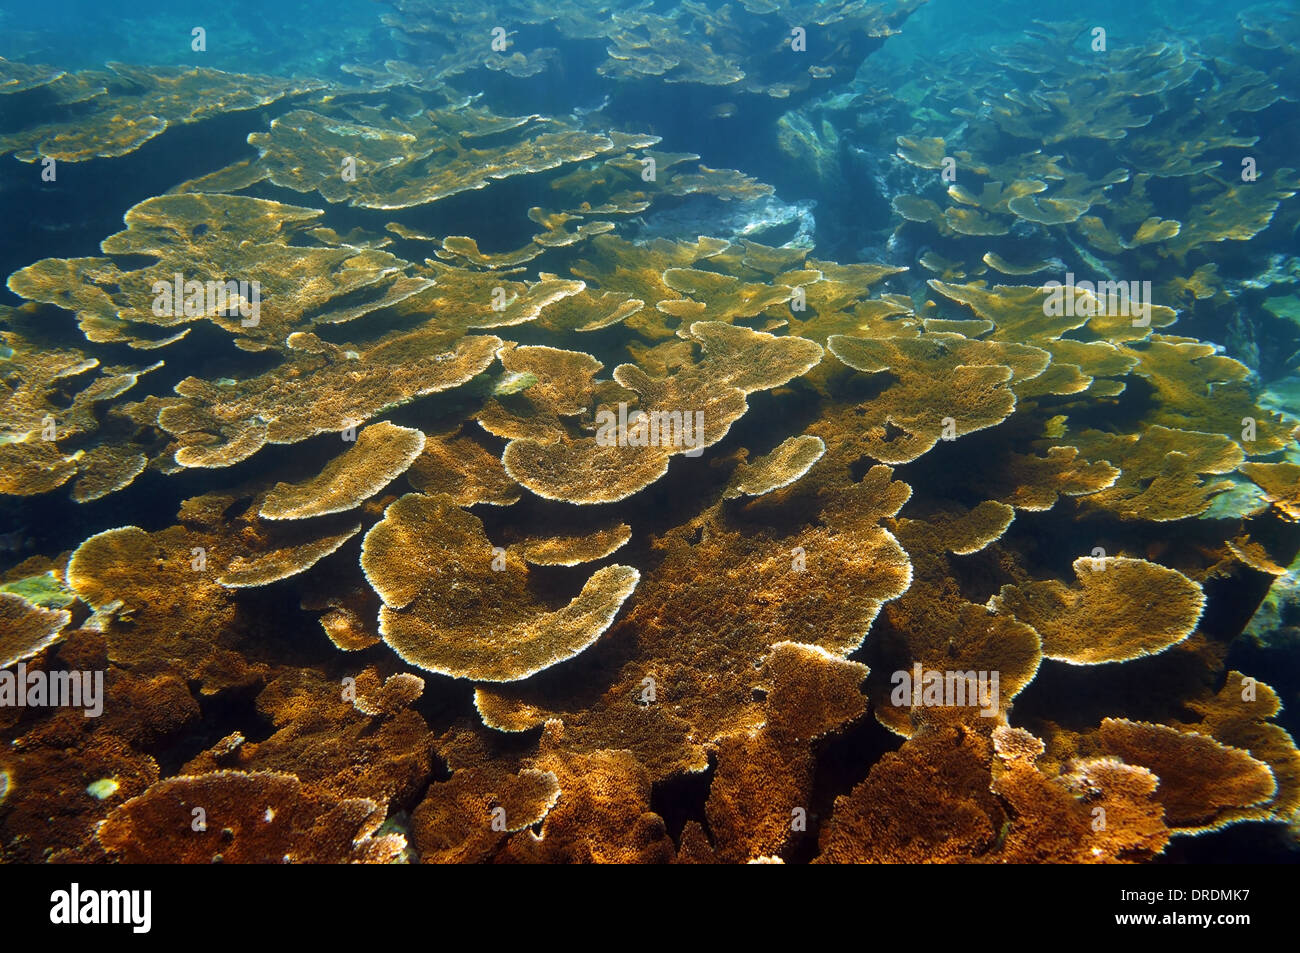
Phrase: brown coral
pixel 448 609
pixel 1200 779
pixel 234 817
pixel 27 628
pixel 381 453
pixel 1122 609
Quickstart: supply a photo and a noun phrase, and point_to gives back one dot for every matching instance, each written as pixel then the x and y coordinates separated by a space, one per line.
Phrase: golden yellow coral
pixel 1280 483
pixel 265 568
pixel 1254 555
pixel 969 531
pixel 734 651
pixel 928 802
pixel 993 196
pixel 715 297
pixel 1047 211
pixel 575 550
pixel 1198 389
pixel 461 469
pixel 463 249
pixel 349 608
pixel 788 462
pixel 767 259
pixel 920 152
pixel 947 269
pixel 1161 470
pixel 602 815
pixel 1123 609
pixel 560 385
pixel 395 694
pixel 614 264
pixel 1201 284
pixel 966 327
pixel 339 750
pixel 685 412
pixel 462 299
pixel 129 105
pixel 20 77
pixel 224 423
pixel 974 223
pixel 151 579
pixel 405 162
pixel 53 416
pixel 810 692
pixel 1102 811
pixel 1239 714
pixel 30 468
pixel 725 184
pixel 933 629
pixel 558 235
pixel 382 452
pixel 217 258
pixel 752 360
pixel 944 386
pixel 347 618
pixel 171 583
pixel 917 209
pixel 1240 211
pixel 585 471
pixel 26 629
pixel 449 609
pixel 728 588
pixel 997 262
pixel 1034 483
pixel 586 311
pixel 106 469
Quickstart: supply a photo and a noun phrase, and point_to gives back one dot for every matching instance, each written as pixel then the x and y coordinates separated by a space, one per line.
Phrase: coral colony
pixel 442 478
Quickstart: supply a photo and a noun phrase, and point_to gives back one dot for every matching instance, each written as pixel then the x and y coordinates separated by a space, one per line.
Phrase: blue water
pixel 283 37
